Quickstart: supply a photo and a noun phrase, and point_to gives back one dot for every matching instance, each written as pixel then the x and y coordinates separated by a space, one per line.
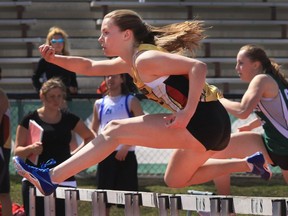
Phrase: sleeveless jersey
pixel 112 108
pixel 173 90
pixel 5 131
pixel 273 112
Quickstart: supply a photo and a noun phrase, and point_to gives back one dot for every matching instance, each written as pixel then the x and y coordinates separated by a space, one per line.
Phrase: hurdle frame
pixel 167 204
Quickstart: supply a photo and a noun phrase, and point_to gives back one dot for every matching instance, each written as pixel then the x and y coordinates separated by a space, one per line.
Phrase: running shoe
pixel 37 176
pixel 260 166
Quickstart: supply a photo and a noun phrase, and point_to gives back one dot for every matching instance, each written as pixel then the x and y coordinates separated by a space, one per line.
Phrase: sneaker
pixel 260 166
pixel 37 176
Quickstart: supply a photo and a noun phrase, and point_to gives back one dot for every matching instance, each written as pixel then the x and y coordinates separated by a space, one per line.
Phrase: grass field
pixel 241 186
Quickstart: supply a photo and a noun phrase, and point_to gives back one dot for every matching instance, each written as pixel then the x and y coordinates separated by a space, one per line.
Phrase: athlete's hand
pixel 176 120
pixel 47 52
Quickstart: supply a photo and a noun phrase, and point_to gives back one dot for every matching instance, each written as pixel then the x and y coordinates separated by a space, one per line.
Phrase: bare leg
pixel 223 185
pixel 183 164
pixel 185 167
pixel 185 172
pixel 148 131
pixel 241 145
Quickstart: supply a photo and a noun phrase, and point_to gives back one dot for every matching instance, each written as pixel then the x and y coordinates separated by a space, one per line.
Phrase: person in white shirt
pixel 119 170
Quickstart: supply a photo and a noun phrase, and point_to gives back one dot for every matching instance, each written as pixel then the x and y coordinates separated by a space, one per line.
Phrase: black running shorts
pixel 211 125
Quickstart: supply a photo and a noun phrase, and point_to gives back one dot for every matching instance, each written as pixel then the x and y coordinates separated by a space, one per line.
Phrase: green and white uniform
pixel 273 113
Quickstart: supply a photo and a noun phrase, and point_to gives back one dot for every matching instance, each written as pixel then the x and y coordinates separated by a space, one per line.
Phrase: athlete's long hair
pixel 256 53
pixel 182 38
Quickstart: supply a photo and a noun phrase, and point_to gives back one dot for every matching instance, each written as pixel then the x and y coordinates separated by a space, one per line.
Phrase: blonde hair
pixel 58 31
pixel 51 84
pixel 182 38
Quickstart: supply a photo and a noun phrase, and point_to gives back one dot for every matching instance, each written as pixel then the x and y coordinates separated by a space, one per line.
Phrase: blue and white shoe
pixel 260 166
pixel 37 176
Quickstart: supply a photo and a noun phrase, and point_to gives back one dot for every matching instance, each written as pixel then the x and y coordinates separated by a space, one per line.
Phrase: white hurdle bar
pixel 166 203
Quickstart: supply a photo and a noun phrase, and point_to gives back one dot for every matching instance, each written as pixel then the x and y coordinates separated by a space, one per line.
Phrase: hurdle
pixel 167 204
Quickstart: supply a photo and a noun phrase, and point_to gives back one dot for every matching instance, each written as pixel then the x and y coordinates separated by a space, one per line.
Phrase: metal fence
pixel 151 162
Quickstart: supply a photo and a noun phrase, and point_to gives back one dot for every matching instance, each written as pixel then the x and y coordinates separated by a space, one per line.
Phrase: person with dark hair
pixel 5 152
pixel 118 171
pixel 198 126
pixel 267 97
pixel 58 39
pixel 57 126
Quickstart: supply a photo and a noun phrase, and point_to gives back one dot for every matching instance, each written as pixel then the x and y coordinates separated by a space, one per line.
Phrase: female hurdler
pixel 198 127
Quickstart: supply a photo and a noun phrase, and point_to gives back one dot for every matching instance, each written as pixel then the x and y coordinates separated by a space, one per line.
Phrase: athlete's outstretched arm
pixel 85 66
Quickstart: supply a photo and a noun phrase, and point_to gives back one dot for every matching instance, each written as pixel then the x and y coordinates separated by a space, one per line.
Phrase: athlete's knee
pixel 172 182
pixel 114 129
pixel 112 126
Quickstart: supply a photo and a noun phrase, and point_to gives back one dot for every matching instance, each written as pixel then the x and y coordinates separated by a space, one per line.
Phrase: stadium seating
pixel 229 25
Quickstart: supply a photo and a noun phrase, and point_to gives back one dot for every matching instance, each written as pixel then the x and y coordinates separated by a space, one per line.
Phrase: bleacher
pixel 230 24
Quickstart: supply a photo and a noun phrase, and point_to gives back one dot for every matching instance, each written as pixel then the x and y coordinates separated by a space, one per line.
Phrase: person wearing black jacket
pixel 57 38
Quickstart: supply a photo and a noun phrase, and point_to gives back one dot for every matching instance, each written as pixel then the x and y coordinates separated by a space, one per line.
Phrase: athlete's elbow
pixel 201 67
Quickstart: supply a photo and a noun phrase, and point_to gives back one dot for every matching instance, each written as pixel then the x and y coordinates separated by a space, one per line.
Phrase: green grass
pixel 241 186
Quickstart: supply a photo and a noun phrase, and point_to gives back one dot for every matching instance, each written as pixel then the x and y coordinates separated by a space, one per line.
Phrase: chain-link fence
pixel 151 162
